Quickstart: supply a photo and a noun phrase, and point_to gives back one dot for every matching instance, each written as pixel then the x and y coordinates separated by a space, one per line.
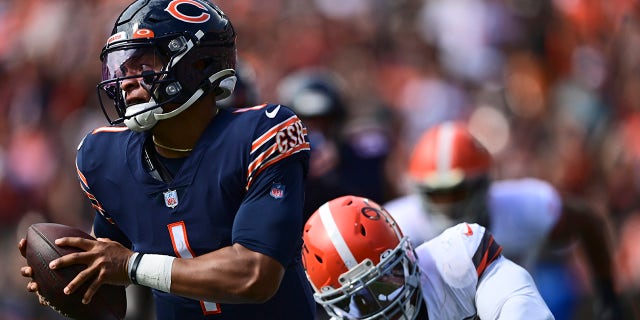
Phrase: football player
pixel 450 170
pixel 348 153
pixel 202 204
pixel 363 267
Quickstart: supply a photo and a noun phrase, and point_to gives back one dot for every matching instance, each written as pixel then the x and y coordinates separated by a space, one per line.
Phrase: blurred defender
pixel 450 171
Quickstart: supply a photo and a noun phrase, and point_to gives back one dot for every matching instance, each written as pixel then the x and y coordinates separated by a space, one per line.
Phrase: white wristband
pixel 154 271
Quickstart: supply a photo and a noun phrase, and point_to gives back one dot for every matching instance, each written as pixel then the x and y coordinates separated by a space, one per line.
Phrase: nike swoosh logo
pixel 469 231
pixel 273 112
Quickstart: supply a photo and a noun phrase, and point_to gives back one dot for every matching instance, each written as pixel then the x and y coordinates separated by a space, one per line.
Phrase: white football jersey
pixel 463 275
pixel 521 213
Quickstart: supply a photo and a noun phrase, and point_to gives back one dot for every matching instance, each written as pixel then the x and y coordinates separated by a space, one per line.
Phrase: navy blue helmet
pixel 192 40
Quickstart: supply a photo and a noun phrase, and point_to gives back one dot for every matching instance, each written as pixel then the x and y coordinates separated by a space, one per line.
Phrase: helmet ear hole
pixel 347 202
pixel 363 231
pixel 318 258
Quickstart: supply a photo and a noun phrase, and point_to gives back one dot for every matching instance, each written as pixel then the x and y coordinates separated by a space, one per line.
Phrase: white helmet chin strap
pixel 143 121
pixel 148 119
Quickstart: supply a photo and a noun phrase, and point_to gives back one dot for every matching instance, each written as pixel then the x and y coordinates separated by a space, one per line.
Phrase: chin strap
pixel 146 120
pixel 143 121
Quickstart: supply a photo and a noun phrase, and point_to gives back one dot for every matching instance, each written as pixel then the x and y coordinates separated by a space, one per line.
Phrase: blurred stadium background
pixel 552 87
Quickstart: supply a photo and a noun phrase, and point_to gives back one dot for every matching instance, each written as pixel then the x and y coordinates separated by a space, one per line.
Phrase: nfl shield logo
pixel 277 191
pixel 171 199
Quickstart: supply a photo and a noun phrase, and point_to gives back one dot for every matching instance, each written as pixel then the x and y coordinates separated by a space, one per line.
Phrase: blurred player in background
pixel 347 156
pixel 450 171
pixel 202 204
pixel 363 267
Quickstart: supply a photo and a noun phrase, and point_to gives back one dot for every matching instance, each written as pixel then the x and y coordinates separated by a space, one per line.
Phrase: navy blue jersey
pixel 242 183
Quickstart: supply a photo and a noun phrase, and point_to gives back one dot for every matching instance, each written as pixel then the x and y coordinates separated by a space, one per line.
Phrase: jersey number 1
pixel 178 232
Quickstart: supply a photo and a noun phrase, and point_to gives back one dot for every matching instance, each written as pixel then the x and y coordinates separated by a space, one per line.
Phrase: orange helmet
pixel 446 155
pixel 358 261
pixel 450 169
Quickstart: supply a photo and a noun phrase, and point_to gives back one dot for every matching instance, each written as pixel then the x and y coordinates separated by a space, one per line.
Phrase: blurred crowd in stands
pixel 551 87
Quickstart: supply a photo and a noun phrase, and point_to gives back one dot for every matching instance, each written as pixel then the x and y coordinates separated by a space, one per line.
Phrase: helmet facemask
pixel 192 46
pixel 389 290
pixel 143 62
pixel 172 79
pixel 464 202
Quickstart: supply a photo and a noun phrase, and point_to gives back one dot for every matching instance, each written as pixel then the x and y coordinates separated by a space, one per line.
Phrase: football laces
pixel 48 303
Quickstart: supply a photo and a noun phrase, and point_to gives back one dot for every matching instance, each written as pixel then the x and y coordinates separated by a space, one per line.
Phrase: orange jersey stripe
pixel 486 260
pixel 255 163
pixel 258 107
pixel 272 132
pixel 81 176
pixel 109 129
pixel 94 201
pixel 264 165
pixel 88 194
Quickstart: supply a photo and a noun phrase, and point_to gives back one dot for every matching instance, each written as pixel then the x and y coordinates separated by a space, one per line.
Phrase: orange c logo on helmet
pixel 142 33
pixel 173 9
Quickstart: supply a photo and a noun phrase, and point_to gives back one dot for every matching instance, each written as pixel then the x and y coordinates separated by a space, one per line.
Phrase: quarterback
pixel 200 203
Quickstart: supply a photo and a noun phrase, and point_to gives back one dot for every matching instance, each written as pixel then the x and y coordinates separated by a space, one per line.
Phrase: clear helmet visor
pixel 388 291
pixel 142 64
pixel 131 62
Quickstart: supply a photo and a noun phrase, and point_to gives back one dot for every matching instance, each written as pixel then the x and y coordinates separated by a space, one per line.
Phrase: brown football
pixel 109 302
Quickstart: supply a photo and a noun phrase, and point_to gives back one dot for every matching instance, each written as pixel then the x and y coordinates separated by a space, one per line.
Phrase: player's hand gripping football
pixel 106 262
pixel 27 272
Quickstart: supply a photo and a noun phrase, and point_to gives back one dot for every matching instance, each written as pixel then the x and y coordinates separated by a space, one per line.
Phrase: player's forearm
pixel 591 230
pixel 230 275
pixel 597 249
pixel 580 222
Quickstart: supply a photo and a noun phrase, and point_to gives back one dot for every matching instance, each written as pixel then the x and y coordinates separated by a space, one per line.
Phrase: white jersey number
pixel 180 241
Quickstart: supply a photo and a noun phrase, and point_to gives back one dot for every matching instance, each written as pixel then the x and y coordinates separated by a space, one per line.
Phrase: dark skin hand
pixel 27 272
pixel 232 274
pixel 106 260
